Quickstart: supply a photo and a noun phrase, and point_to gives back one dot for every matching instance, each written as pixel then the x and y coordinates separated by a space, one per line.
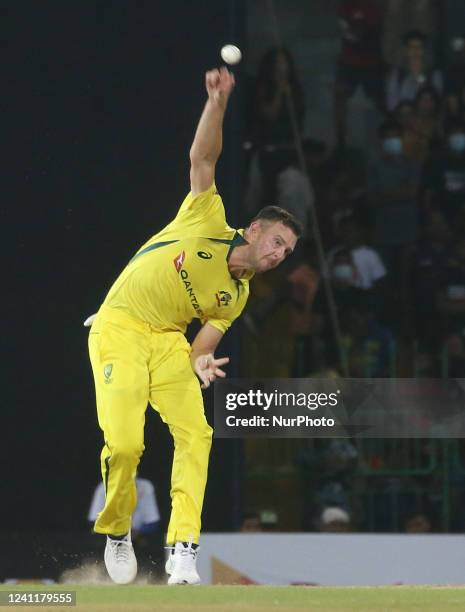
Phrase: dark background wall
pixel 100 103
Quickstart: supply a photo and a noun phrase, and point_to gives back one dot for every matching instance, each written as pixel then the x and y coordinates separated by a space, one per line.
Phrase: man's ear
pixel 254 229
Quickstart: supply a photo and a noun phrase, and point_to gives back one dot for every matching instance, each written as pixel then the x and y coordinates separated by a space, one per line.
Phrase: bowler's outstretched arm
pixel 208 140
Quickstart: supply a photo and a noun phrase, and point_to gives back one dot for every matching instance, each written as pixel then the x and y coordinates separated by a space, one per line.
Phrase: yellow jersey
pixel 182 272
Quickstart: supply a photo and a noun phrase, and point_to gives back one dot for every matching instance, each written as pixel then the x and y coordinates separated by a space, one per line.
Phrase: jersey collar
pixel 239 240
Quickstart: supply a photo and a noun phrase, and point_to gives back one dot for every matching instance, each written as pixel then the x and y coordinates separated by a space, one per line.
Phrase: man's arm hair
pixel 208 140
pixel 206 341
pixel 203 361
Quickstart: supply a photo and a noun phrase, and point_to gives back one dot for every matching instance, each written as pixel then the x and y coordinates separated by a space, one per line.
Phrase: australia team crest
pixel 223 298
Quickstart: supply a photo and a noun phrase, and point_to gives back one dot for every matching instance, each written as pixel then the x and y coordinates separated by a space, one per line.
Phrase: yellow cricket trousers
pixel 133 364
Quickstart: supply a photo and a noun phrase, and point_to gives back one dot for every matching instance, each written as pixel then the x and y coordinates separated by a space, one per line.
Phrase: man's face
pixel 270 244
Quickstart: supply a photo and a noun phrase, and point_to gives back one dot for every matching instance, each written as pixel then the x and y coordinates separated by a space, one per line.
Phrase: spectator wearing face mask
pixel 367 270
pixel 392 187
pixel 444 176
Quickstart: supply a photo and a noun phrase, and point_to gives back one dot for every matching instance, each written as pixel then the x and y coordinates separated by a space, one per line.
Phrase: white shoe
pixel 183 569
pixel 120 560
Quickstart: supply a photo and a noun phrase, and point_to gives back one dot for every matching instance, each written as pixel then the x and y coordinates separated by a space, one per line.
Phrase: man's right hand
pixel 219 84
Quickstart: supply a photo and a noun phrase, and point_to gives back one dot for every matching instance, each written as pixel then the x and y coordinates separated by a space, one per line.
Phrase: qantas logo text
pixel 190 292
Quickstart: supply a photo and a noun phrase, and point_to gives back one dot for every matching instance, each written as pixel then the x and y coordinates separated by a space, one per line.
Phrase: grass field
pixel 253 598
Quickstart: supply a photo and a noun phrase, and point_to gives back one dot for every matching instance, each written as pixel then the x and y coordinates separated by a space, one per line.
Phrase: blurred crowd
pixel 390 221
pixel 377 287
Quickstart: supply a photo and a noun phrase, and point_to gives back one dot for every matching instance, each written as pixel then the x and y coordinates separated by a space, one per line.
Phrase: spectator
pixel 404 81
pixel 420 123
pixel 343 275
pixel 392 186
pixel 360 62
pixel 298 191
pixel 401 16
pixel 277 79
pixel 444 176
pixel 368 265
pixel 328 468
pixel 294 192
pixel 404 115
pixel 424 132
pixel 335 520
pixel 277 97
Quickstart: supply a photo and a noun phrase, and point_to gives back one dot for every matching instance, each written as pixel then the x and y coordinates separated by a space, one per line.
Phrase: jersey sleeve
pixel 205 207
pixel 225 322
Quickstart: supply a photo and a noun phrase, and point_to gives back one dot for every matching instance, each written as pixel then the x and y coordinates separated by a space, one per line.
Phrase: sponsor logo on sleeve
pixel 179 260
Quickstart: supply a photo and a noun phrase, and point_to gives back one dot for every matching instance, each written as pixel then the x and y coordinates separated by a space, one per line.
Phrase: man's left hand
pixel 207 368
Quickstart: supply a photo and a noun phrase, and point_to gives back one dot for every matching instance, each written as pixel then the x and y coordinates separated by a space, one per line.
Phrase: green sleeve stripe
pixel 152 247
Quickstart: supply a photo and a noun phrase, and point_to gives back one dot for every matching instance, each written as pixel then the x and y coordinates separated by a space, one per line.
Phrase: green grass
pixel 255 598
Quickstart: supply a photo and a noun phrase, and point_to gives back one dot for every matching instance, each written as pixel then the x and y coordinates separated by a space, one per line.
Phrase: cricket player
pixel 196 267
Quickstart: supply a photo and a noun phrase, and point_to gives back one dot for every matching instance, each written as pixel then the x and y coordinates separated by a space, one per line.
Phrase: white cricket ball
pixel 231 54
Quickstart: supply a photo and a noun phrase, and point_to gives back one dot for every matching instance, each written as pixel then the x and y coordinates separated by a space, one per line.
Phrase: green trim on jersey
pixel 156 245
pixel 237 240
pixel 172 286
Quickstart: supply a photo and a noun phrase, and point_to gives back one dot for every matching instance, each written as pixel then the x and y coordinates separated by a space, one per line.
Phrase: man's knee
pixel 128 450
